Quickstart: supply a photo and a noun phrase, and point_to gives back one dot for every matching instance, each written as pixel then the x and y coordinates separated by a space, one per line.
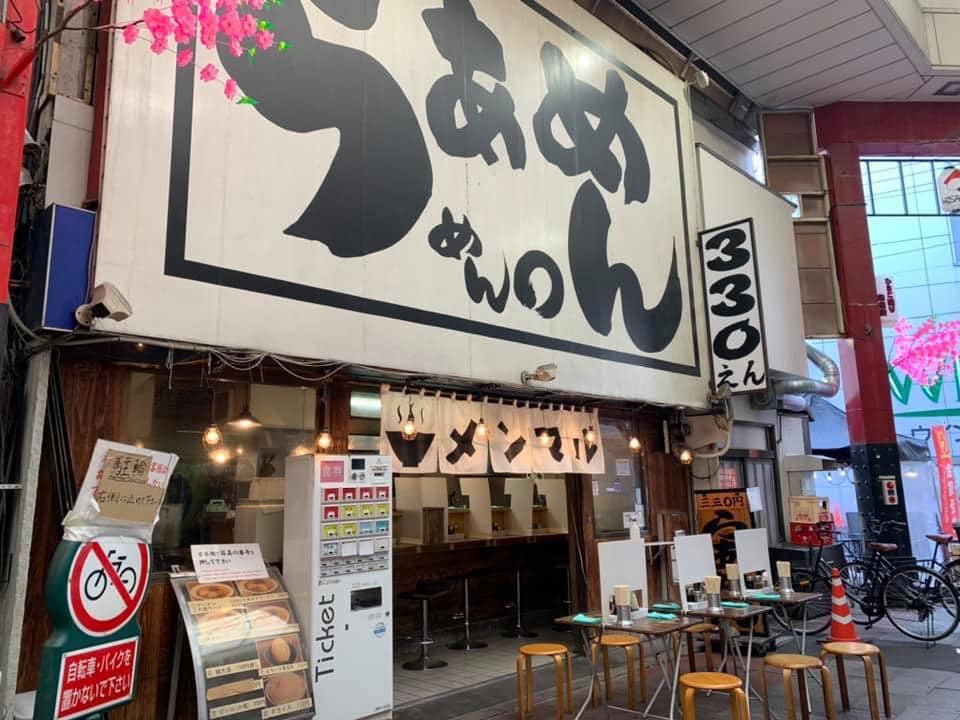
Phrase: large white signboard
pixel 466 187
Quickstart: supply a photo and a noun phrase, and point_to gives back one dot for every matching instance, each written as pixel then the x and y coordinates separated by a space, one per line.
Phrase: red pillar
pixel 15 47
pixel 863 363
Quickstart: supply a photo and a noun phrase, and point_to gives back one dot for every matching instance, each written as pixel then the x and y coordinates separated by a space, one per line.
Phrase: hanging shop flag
pixel 730 279
pixel 408 431
pixel 510 439
pixel 552 452
pixel 582 435
pixel 949 505
pixel 461 440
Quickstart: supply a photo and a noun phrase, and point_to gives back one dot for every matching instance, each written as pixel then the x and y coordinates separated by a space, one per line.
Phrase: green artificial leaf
pixel 283 46
pixel 265 25
pixel 247 101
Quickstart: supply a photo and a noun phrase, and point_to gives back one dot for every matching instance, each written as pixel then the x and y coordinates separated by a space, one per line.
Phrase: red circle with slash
pixel 107 584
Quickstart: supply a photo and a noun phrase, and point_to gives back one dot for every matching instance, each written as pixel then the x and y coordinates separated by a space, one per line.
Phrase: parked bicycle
pixel 919 602
pixel 949 568
pixel 813 579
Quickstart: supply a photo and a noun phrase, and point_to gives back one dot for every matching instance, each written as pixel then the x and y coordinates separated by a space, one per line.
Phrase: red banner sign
pixel 949 506
pixel 96 678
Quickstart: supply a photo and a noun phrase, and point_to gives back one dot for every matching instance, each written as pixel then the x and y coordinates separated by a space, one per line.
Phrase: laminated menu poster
pixel 248 653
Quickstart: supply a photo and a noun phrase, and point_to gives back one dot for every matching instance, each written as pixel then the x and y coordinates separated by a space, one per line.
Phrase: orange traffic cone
pixel 842 628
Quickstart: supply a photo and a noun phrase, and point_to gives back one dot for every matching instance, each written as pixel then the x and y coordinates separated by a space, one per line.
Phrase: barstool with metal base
pixel 424 593
pixel 519 631
pixel 466 642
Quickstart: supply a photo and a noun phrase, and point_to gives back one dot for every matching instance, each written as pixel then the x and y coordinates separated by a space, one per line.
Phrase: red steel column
pixel 14 98
pixel 863 362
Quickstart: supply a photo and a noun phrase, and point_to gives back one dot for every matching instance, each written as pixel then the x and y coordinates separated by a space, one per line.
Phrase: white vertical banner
pixel 462 449
pixel 582 431
pixel 738 348
pixel 552 452
pixel 415 453
pixel 511 442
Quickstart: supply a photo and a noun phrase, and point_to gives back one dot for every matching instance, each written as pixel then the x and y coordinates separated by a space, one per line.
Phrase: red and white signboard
pixel 107 584
pixel 728 477
pixel 948 189
pixel 887 299
pixel 949 505
pixel 96 678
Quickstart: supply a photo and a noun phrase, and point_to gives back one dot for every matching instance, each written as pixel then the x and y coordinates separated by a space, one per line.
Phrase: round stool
pixel 690 683
pixel 705 629
pixel 633 648
pixel 563 665
pixel 865 652
pixel 799 664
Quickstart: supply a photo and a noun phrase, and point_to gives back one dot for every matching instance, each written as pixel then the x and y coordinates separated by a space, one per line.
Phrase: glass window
pixel 620 489
pixel 232 491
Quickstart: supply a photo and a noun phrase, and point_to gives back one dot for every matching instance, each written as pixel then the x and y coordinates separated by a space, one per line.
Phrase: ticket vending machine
pixel 337 565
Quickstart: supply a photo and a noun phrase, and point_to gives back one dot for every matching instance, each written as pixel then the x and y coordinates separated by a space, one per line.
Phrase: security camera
pixel 106 302
pixel 701 79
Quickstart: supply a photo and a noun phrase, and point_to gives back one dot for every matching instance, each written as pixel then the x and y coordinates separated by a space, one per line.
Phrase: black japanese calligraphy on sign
pixel 381 178
pixel 471 46
pixel 734 315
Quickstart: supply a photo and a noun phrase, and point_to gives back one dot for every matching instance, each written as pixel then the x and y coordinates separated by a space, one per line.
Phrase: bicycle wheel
pixel 855 576
pixel 951 571
pixel 920 603
pixel 818 611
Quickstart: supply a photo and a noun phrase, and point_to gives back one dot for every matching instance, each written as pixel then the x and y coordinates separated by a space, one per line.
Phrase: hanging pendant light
pixel 212 437
pixel 245 420
pixel 324 440
pixel 634 444
pixel 545 438
pixel 409 429
pixel 591 436
pixel 481 429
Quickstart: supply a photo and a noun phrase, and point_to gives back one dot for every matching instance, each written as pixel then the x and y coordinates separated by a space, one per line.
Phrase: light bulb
pixel 138 444
pixel 685 456
pixel 591 436
pixel 324 440
pixel 545 438
pixel 239 449
pixel 481 429
pixel 220 456
pixel 409 428
pixel 634 444
pixel 212 437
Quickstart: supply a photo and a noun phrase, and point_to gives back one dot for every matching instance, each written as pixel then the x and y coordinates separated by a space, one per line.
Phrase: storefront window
pixel 232 491
pixel 619 491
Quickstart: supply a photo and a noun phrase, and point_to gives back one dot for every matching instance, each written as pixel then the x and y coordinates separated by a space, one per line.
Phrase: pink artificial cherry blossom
pixel 131 33
pixel 230 89
pixel 208 73
pixel 265 39
pixel 184 57
pixel 928 352
pixel 250 25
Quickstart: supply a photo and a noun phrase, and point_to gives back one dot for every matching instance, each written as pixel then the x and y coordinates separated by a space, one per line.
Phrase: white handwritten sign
pixel 220 563
pixel 737 344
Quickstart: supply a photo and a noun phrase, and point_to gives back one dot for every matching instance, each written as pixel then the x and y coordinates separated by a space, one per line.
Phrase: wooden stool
pixel 706 629
pixel 789 664
pixel 563 664
pixel 691 682
pixel 865 652
pixel 633 648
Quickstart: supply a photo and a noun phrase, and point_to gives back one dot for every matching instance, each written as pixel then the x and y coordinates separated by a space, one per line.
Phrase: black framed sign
pixel 731 281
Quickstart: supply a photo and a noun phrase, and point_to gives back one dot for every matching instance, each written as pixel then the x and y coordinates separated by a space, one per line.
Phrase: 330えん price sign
pixel 107 583
pixel 96 678
pixel 738 348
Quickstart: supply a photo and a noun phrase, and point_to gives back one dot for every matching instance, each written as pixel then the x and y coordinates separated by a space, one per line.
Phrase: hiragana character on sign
pixel 574 102
pixel 470 46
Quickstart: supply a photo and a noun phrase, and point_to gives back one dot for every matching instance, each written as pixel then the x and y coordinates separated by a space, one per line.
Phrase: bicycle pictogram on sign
pixel 107 584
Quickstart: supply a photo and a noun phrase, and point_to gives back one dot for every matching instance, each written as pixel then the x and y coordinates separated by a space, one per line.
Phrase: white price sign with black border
pixel 738 348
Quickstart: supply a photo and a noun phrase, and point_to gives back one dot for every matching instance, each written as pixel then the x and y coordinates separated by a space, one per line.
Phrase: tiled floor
pixel 466 669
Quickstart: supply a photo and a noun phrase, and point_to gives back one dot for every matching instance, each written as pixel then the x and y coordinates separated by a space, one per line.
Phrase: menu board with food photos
pixel 248 653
